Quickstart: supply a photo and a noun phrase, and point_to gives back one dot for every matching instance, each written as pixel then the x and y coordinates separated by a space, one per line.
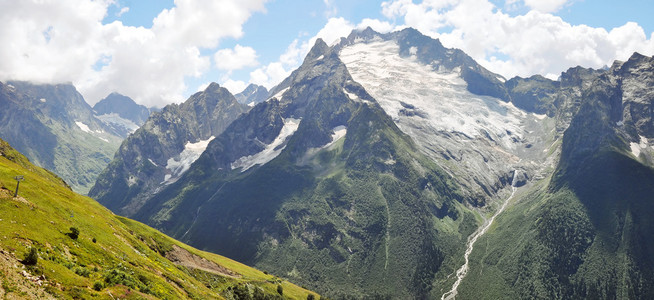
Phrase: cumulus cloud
pixel 546 6
pixel 234 86
pixel 334 29
pixel 65 41
pixel 235 59
pixel 533 43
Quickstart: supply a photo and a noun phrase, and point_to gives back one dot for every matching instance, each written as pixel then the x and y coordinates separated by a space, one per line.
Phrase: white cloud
pixel 330 9
pixel 546 6
pixel 234 86
pixel 273 73
pixel 235 59
pixel 376 25
pixel 122 11
pixel 65 41
pixel 533 43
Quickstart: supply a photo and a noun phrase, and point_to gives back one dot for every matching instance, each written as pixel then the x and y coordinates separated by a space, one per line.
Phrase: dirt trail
pixel 181 256
pixel 463 271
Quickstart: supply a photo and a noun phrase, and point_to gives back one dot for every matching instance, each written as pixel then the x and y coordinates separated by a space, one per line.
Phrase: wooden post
pixel 18 178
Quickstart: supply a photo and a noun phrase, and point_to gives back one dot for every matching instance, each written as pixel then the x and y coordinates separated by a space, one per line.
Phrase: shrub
pixel 84 272
pixel 94 240
pixel 280 290
pixel 31 257
pixel 311 297
pixel 98 286
pixel 74 233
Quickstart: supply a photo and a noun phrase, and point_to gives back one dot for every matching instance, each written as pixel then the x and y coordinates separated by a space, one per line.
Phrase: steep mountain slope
pixel 105 256
pixel 56 128
pixel 252 95
pixel 121 113
pixel 320 184
pixel 159 152
pixel 586 233
pixel 436 95
pixel 368 169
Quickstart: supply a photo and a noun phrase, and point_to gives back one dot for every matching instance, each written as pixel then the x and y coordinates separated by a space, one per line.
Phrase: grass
pixel 45 211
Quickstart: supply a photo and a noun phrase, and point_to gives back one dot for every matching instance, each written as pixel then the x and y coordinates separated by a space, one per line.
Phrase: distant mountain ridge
pixel 252 95
pixel 121 113
pixel 57 129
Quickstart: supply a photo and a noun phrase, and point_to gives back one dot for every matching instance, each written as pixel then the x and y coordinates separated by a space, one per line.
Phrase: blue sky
pixel 162 51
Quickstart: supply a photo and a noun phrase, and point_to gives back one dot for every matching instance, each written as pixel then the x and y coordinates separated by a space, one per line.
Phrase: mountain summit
pixel 381 166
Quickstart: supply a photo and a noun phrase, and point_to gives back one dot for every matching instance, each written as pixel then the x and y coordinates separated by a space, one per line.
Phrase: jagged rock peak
pixel 320 48
pixel 213 87
pixel 252 94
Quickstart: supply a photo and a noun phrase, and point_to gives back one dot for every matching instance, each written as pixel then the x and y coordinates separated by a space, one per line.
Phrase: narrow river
pixel 461 272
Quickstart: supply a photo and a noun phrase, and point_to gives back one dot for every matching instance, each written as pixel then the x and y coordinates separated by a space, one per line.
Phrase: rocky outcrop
pixel 163 148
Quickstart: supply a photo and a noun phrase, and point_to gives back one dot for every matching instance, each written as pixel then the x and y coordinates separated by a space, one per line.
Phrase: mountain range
pixel 390 166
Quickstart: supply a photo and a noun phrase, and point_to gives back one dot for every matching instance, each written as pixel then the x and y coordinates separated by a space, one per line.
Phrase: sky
pixel 162 51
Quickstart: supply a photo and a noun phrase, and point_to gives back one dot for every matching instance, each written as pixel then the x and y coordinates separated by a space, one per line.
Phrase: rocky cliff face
pixel 252 95
pixel 163 148
pixel 121 113
pixel 56 129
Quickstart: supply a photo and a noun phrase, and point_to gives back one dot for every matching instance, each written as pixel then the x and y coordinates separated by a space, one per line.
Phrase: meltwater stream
pixel 461 272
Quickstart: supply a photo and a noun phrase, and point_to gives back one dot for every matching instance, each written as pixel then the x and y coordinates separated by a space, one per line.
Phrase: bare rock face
pixel 637 93
pixel 252 95
pixel 121 113
pixel 163 148
pixel 56 129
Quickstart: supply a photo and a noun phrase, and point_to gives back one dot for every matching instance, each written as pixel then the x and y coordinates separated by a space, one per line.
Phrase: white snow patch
pixel 413 50
pixel 354 97
pixel 500 79
pixel 191 152
pixel 440 97
pixel 11 86
pixel 279 95
pixel 131 181
pixel 42 100
pixel 271 151
pixel 320 57
pixel 540 117
pixel 251 104
pixel 635 149
pixel 152 162
pixel 83 127
pixel 619 123
pixel 106 140
pixel 339 132
pixel 114 118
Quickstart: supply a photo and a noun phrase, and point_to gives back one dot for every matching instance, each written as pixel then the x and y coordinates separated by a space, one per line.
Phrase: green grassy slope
pixel 120 257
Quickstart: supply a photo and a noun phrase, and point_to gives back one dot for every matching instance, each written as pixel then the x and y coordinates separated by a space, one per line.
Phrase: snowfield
pixel 271 150
pixel 478 138
pixel 177 166
pixel 403 86
pixel 114 118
